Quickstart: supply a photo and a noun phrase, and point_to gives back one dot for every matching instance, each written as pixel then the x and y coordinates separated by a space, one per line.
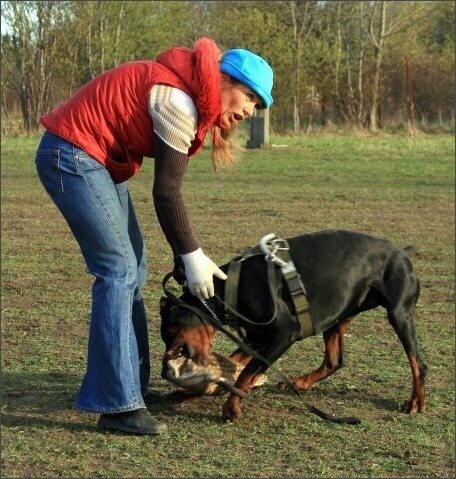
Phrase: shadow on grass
pixel 26 421
pixel 339 402
pixel 41 391
pixel 46 399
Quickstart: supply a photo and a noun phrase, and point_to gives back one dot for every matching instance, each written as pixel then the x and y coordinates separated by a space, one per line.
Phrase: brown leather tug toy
pixel 215 379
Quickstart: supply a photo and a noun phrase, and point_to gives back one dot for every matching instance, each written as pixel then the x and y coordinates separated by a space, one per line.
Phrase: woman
pixel 93 143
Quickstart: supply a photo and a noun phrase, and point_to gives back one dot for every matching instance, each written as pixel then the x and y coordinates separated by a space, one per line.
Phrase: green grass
pixel 396 187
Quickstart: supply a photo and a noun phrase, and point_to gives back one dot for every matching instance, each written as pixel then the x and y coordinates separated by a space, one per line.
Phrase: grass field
pixel 395 187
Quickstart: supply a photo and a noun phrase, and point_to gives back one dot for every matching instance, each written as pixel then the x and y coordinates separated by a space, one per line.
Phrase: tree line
pixel 369 65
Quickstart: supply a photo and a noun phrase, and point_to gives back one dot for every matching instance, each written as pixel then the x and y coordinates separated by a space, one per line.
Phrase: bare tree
pixel 331 60
pixel 410 103
pixel 303 15
pixel 107 25
pixel 27 56
pixel 343 30
pixel 386 19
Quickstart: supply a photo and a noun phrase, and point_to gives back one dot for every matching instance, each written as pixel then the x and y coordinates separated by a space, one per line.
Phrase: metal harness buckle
pixel 270 245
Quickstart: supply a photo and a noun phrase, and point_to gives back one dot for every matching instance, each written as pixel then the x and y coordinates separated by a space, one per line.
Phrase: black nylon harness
pixel 290 275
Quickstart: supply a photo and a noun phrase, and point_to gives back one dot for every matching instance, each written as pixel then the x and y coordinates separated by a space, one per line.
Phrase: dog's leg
pixel 406 333
pixel 231 410
pixel 402 288
pixel 333 359
pixel 417 401
pixel 239 356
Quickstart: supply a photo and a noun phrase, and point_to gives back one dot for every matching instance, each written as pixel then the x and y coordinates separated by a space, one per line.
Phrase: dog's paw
pixel 414 405
pixel 299 383
pixel 231 412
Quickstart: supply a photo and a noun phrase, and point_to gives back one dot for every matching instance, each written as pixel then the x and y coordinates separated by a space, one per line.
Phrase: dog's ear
pixel 179 270
pixel 164 303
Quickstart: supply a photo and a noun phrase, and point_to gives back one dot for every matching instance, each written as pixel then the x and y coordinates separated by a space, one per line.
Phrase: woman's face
pixel 238 101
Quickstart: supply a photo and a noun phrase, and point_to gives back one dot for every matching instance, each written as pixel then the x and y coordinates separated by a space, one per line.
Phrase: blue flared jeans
pixel 101 217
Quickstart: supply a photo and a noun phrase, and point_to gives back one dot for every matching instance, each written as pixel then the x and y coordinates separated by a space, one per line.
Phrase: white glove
pixel 199 270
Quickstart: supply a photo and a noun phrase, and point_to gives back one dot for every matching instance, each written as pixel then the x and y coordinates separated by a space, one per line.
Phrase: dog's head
pixel 184 334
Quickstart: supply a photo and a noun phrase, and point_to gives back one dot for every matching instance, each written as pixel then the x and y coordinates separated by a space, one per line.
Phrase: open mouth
pixel 175 352
pixel 180 351
pixel 235 118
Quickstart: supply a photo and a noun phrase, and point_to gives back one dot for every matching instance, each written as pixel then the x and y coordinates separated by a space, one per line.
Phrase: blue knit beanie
pixel 251 70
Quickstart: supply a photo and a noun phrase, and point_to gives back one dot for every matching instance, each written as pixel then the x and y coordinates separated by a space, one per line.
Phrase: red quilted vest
pixel 109 119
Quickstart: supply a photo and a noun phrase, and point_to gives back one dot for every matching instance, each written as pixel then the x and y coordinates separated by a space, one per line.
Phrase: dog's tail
pixel 410 251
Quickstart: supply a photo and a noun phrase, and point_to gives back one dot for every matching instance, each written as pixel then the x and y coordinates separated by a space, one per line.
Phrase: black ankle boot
pixel 136 422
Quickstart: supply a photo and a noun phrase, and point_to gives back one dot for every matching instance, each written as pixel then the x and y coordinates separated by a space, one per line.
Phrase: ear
pixel 226 80
pixel 179 270
pixel 164 303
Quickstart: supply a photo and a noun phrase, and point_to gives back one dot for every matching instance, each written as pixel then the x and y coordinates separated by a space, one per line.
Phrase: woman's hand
pixel 200 270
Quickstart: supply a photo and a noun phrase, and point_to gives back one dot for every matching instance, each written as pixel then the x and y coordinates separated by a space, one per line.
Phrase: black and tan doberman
pixel 344 274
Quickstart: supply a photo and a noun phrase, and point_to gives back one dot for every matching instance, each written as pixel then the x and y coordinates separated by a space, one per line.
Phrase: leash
pixel 213 319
